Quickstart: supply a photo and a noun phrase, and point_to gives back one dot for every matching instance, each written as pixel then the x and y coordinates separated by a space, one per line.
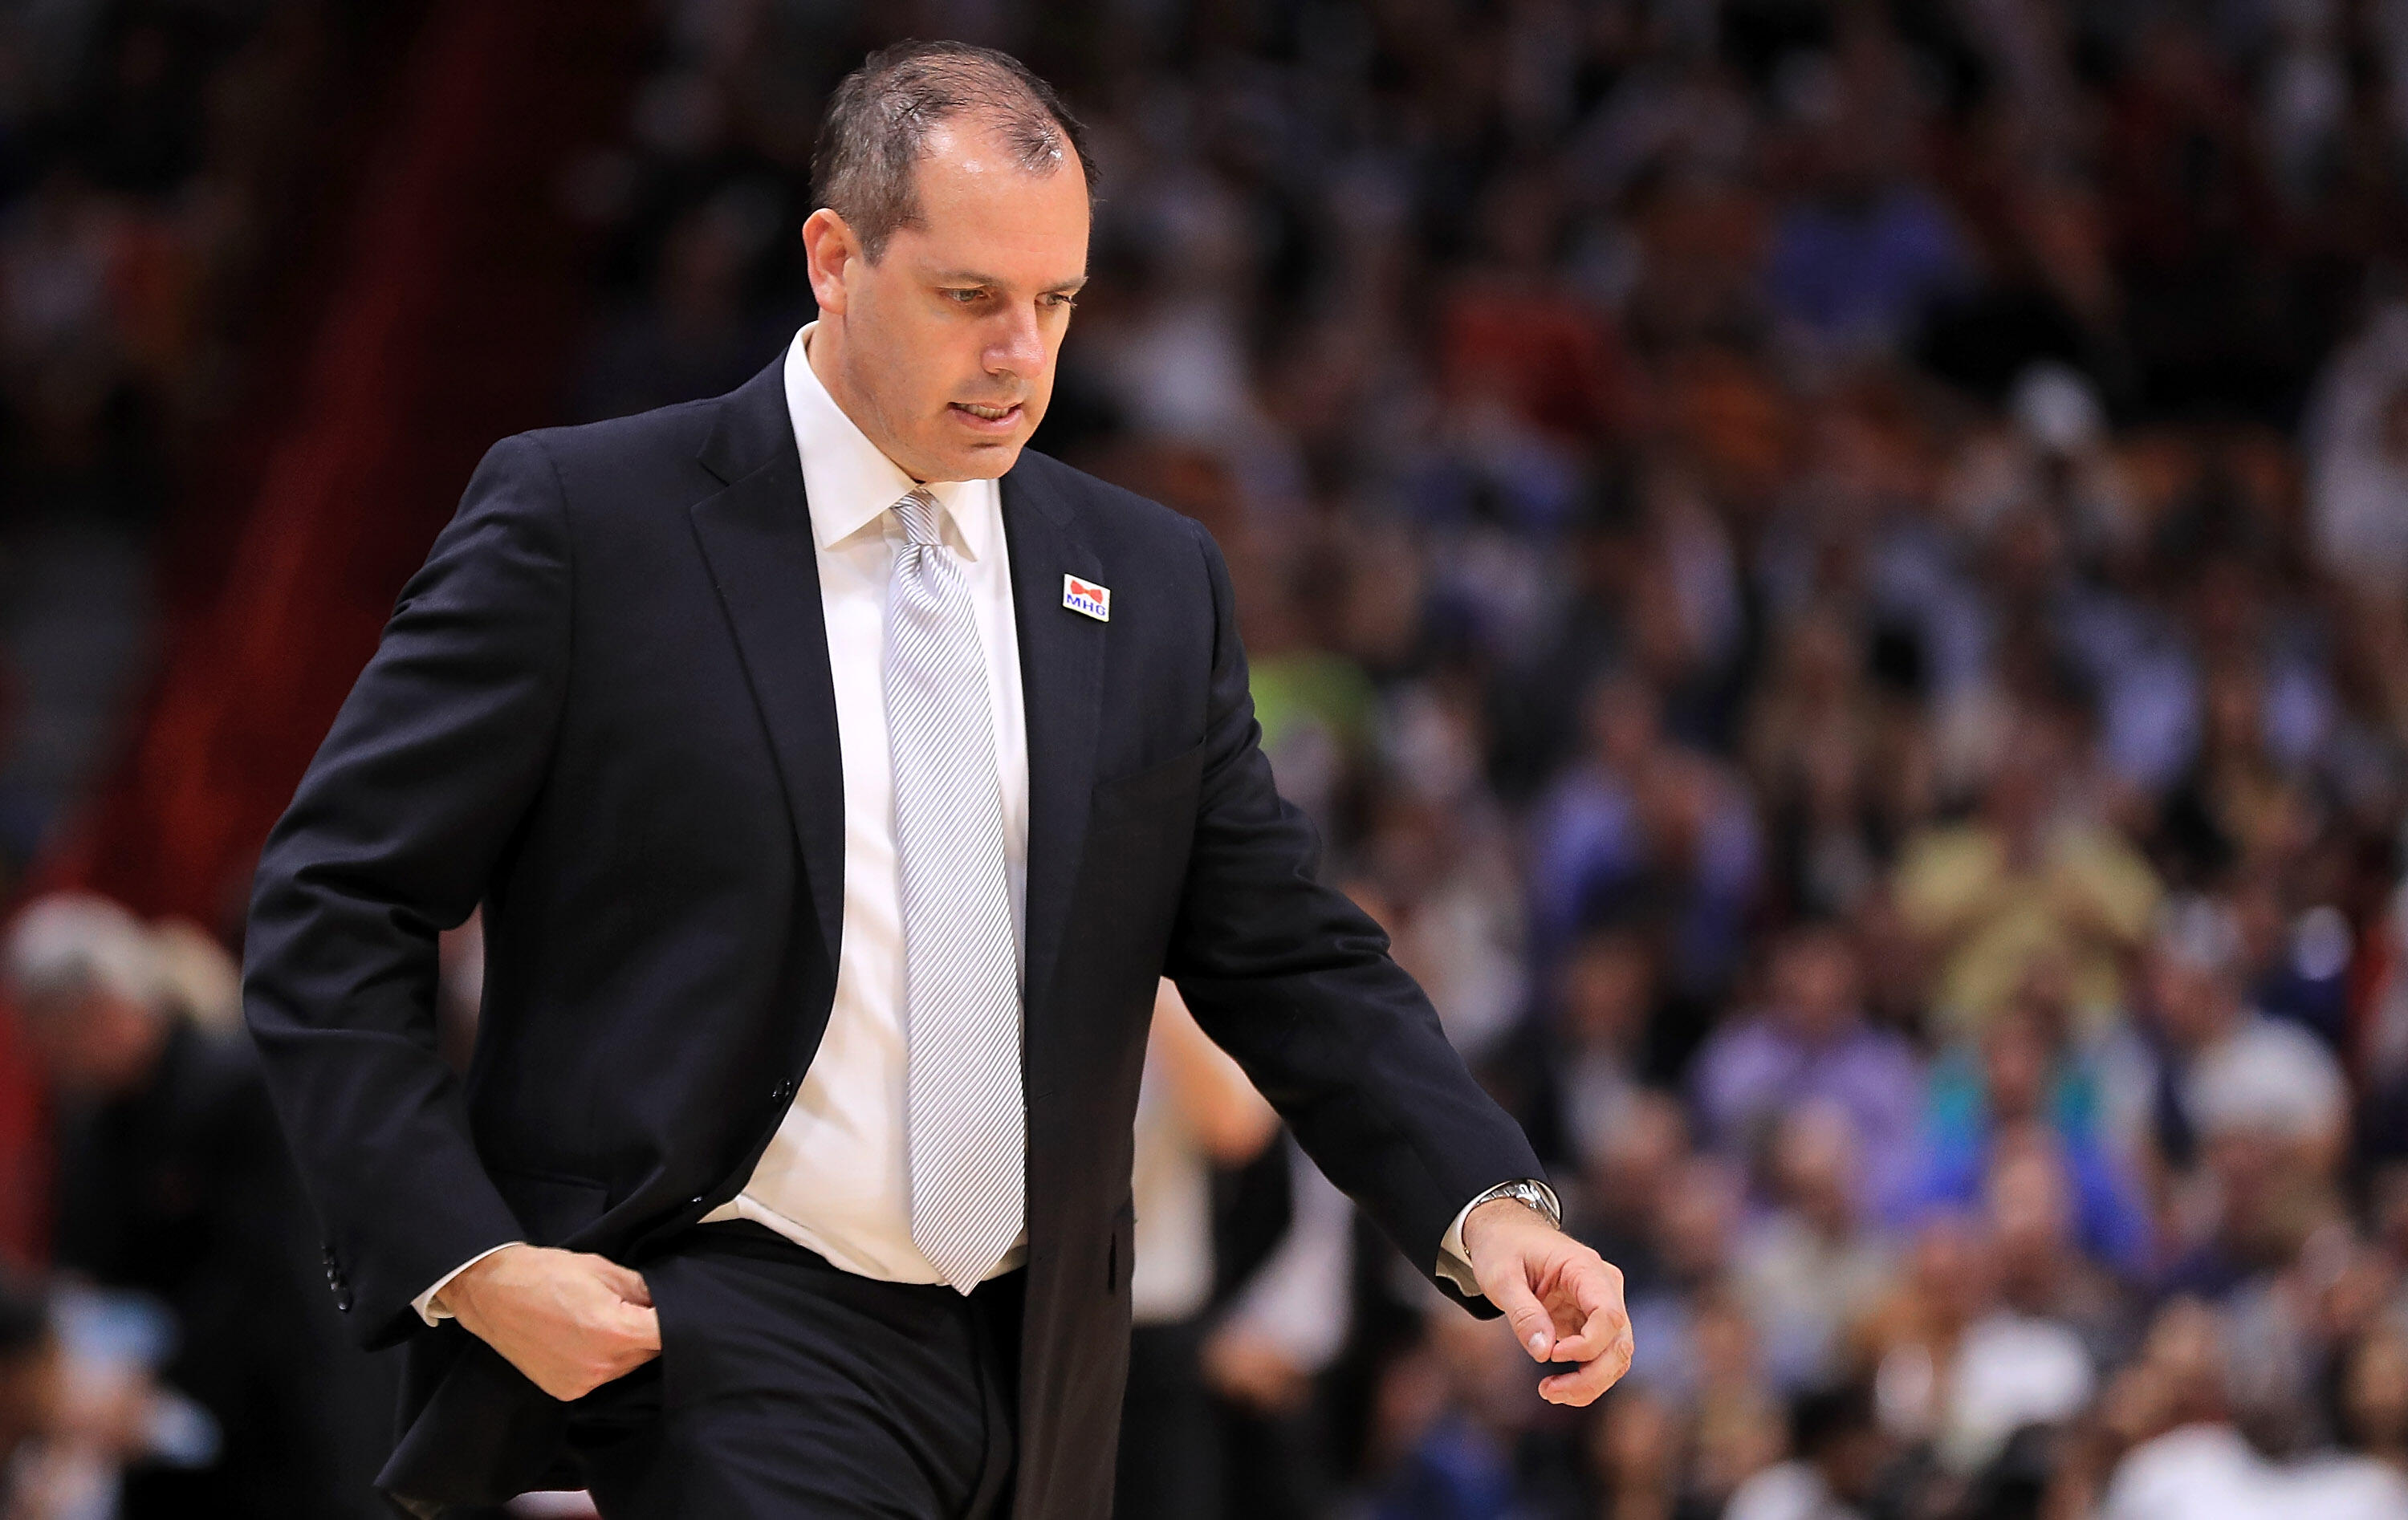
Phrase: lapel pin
pixel 1088 597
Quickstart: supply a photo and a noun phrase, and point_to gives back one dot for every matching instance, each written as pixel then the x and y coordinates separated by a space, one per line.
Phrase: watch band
pixel 1529 1192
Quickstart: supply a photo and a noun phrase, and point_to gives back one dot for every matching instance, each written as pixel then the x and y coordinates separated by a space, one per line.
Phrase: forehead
pixel 977 203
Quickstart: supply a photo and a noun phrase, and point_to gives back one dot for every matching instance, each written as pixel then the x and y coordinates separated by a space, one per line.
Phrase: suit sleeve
pixel 1296 983
pixel 392 836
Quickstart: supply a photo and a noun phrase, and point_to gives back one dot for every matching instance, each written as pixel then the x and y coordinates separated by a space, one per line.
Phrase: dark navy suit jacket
pixel 603 710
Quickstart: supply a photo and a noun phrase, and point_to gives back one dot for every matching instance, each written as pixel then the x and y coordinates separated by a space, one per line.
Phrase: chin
pixel 984 461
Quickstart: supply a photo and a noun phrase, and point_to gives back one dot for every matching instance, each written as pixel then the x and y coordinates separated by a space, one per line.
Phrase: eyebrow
pixel 969 277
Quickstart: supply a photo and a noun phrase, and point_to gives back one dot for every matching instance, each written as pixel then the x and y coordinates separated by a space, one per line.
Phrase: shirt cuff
pixel 428 1310
pixel 1453 1262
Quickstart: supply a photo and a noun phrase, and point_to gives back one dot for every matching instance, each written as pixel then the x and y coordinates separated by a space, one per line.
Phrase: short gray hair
pixel 878 121
pixel 72 944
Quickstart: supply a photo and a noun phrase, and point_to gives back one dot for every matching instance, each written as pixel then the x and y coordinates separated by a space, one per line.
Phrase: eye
pixel 1061 301
pixel 968 295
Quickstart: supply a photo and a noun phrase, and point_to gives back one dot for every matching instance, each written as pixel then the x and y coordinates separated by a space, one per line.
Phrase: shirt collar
pixel 850 484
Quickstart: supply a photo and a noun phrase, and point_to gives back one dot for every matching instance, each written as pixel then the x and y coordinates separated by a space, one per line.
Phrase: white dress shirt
pixel 835 1178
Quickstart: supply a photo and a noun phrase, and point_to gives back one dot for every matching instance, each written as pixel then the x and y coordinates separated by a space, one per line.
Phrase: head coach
pixel 838 777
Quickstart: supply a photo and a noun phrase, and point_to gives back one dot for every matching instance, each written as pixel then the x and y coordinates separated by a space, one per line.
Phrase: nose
pixel 1016 346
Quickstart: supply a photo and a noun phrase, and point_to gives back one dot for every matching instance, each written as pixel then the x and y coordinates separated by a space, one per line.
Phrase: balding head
pixel 880 120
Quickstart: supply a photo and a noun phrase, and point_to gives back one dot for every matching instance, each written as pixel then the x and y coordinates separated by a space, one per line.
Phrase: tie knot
pixel 917 512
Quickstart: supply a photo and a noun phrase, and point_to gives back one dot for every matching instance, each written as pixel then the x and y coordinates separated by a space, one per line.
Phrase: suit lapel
pixel 1061 674
pixel 756 536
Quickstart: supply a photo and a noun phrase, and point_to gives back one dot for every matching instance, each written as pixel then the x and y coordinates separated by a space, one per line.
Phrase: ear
pixel 830 250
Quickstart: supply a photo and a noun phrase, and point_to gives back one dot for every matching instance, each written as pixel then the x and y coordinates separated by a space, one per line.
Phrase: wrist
pixel 1503 1216
pixel 461 1290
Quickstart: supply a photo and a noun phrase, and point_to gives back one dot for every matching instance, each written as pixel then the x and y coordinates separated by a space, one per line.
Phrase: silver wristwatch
pixel 1529 1191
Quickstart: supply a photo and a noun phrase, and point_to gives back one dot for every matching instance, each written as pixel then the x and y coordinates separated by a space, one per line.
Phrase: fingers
pixel 644 1326
pixel 1531 1324
pixel 605 1353
pixel 1583 1383
pixel 626 1282
pixel 1596 1333
pixel 1596 1291
pixel 1590 1287
pixel 583 1322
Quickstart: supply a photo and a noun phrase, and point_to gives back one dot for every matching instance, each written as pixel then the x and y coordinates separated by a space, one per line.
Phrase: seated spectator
pixel 2371 1396
pixel 2259 1101
pixel 2021 1079
pixel 1513 335
pixel 1639 1448
pixel 1457 1413
pixel 2028 1201
pixel 2356 436
pixel 2012 1371
pixel 1642 830
pixel 1811 1041
pixel 2188 1463
pixel 1825 750
pixel 2299 963
pixel 1696 1212
pixel 173 1180
pixel 1962 1371
pixel 1808 1270
pixel 1440 880
pixel 2382 1044
pixel 2289 1331
pixel 2022 882
pixel 1739 1429
pixel 1856 265
pixel 1613 1208
pixel 1838 1453
pixel 1589 1070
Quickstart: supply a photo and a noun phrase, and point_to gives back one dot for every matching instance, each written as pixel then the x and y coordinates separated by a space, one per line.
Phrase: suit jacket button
pixel 695 1201
pixel 343 1302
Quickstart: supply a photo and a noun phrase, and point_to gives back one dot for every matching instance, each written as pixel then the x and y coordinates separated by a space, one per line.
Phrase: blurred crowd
pixel 1836 575
pixel 155 202
pixel 1834 572
pixel 164 1346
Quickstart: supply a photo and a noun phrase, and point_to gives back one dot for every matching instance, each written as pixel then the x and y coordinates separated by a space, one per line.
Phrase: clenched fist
pixel 571 1322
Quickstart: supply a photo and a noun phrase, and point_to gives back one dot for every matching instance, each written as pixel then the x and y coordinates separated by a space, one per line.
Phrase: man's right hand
pixel 570 1321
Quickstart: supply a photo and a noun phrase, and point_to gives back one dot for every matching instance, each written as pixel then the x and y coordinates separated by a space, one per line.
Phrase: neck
pixel 824 351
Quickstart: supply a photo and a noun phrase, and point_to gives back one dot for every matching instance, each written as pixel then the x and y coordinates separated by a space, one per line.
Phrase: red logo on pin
pixel 1088 597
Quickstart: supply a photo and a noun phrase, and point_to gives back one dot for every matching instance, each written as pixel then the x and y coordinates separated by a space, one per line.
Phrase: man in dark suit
pixel 837 780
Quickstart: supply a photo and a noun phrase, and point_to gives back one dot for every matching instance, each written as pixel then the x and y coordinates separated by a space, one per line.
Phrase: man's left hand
pixel 1563 1299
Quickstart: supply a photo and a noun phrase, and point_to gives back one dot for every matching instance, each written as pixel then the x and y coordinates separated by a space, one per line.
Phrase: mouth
pixel 982 418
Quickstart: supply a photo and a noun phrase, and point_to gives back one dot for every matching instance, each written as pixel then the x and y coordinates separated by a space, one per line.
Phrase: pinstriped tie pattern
pixel 969 1145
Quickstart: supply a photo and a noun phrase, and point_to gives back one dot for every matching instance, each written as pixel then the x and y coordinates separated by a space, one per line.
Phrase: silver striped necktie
pixel 961 973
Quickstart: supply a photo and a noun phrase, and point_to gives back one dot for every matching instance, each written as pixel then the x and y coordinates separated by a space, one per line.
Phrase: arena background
pixel 1835 572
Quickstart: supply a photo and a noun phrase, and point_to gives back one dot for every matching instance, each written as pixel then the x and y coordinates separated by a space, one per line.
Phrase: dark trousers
pixel 786 1388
